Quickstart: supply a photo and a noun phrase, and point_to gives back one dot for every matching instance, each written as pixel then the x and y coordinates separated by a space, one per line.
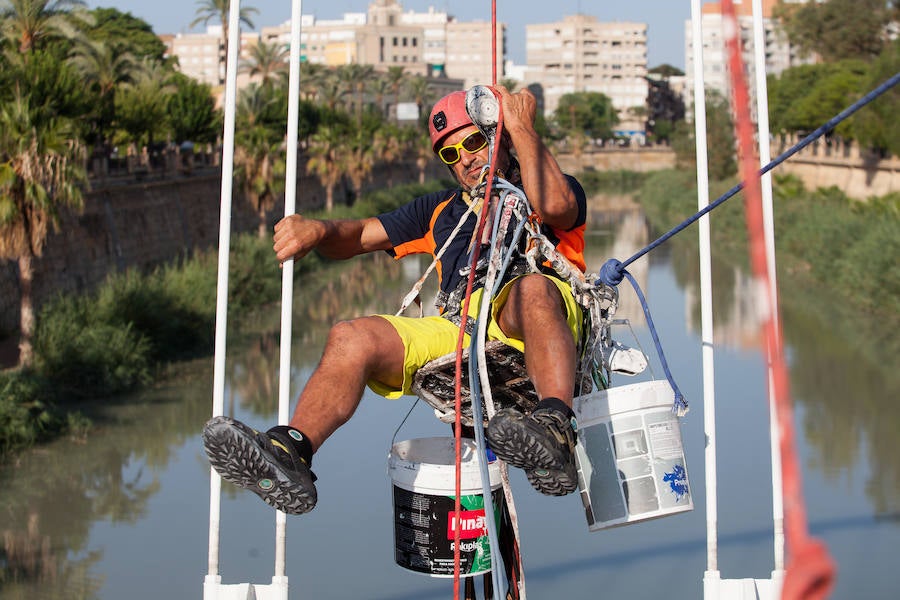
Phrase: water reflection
pixel 842 368
pixel 50 498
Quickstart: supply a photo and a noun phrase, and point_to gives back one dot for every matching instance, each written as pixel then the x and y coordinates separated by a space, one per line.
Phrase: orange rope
pixel 810 570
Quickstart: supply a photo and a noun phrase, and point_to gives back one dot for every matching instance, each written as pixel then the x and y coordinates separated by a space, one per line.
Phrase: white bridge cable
pixel 762 119
pixel 711 575
pixel 279 578
pixel 213 579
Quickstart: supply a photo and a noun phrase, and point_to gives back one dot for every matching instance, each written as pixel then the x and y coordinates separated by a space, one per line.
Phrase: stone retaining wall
pixel 128 224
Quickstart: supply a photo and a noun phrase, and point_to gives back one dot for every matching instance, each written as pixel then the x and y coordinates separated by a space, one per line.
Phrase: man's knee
pixel 535 291
pixel 353 334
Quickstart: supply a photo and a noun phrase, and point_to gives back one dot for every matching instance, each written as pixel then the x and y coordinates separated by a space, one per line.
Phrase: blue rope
pixel 680 406
pixel 610 272
pixel 613 270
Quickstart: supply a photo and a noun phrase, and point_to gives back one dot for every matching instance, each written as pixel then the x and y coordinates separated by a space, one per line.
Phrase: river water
pixel 124 513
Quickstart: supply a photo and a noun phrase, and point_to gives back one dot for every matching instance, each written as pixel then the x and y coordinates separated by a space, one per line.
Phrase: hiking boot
pixel 542 443
pixel 265 463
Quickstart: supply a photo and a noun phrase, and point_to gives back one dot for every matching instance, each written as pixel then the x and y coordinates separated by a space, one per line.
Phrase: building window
pixel 395 42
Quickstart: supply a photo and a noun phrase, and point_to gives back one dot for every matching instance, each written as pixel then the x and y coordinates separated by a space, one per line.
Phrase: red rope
pixel 810 570
pixel 457 381
pixel 476 251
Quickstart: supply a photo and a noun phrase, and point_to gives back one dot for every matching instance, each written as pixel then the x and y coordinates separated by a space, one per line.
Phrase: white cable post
pixel 280 579
pixel 711 576
pixel 762 118
pixel 213 579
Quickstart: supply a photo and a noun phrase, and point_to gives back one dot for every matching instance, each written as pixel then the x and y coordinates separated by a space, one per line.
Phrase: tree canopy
pixel 586 113
pixel 839 29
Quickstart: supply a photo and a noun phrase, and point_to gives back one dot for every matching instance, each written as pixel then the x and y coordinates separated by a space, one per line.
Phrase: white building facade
pixel 779 53
pixel 582 54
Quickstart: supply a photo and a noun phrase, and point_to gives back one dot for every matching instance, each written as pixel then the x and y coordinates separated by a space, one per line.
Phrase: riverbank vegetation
pixel 824 240
pixel 124 335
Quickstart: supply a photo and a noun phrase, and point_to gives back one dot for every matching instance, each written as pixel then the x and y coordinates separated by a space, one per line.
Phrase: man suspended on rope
pixel 534 312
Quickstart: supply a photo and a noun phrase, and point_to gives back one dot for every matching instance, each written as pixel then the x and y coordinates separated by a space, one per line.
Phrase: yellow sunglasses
pixel 472 143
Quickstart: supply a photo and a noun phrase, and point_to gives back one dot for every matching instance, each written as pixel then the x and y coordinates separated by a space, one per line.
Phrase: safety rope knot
pixel 611 273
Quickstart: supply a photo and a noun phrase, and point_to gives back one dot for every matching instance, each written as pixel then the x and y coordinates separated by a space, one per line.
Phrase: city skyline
pixel 664 18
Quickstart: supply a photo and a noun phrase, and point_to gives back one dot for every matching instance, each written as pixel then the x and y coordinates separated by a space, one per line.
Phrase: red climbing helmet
pixel 448 115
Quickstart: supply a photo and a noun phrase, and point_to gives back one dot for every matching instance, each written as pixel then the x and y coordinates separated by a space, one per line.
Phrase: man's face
pixel 467 169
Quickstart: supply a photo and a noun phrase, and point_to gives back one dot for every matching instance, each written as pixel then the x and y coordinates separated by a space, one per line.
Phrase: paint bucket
pixel 423 473
pixel 630 460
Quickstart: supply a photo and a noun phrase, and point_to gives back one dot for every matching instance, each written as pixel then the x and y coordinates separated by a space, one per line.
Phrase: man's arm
pixel 545 185
pixel 295 236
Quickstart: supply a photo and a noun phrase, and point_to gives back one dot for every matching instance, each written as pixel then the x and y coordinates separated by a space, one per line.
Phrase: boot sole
pixel 512 440
pixel 239 458
pixel 553 483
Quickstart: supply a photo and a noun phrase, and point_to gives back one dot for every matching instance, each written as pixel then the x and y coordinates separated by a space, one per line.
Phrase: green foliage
pixel 805 97
pixel 840 247
pixel 586 113
pixel 839 29
pixel 877 126
pixel 89 358
pixel 720 140
pixel 620 181
pixel 192 113
pixel 254 278
pixel 26 415
pixel 384 200
pixel 125 33
pixel 142 104
pixel 52 86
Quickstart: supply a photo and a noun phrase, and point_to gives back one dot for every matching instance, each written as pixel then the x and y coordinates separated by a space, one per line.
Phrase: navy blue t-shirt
pixel 423 226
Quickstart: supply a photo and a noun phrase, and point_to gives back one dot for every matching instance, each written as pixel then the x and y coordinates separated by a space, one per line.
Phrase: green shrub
pixel 25 410
pixel 86 357
pixel 620 181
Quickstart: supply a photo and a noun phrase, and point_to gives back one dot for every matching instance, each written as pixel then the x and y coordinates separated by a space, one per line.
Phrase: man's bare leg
pixel 275 465
pixel 356 351
pixel 534 313
pixel 543 442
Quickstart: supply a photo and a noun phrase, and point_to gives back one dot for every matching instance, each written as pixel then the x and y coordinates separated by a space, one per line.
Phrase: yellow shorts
pixel 428 338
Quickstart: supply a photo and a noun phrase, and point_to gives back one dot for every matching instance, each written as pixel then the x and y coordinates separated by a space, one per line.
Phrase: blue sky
pixel 665 18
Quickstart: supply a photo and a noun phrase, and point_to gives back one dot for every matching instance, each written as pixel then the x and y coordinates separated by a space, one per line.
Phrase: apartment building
pixel 779 53
pixel 202 55
pixel 582 54
pixel 429 44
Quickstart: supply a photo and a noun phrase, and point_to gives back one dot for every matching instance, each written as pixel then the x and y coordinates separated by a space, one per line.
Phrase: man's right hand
pixel 295 236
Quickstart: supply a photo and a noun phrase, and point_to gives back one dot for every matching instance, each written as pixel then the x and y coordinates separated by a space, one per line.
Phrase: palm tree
pixel 417 143
pixel 388 146
pixel 268 61
pixel 396 76
pixel 418 89
pixel 331 90
pixel 355 76
pixel 325 160
pixel 29 22
pixel 311 77
pixel 380 87
pixel 209 10
pixel 258 152
pixel 360 154
pixel 38 176
pixel 100 65
pixel 142 104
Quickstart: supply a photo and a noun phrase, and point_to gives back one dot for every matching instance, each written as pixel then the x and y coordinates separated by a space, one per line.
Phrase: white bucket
pixel 423 472
pixel 630 460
